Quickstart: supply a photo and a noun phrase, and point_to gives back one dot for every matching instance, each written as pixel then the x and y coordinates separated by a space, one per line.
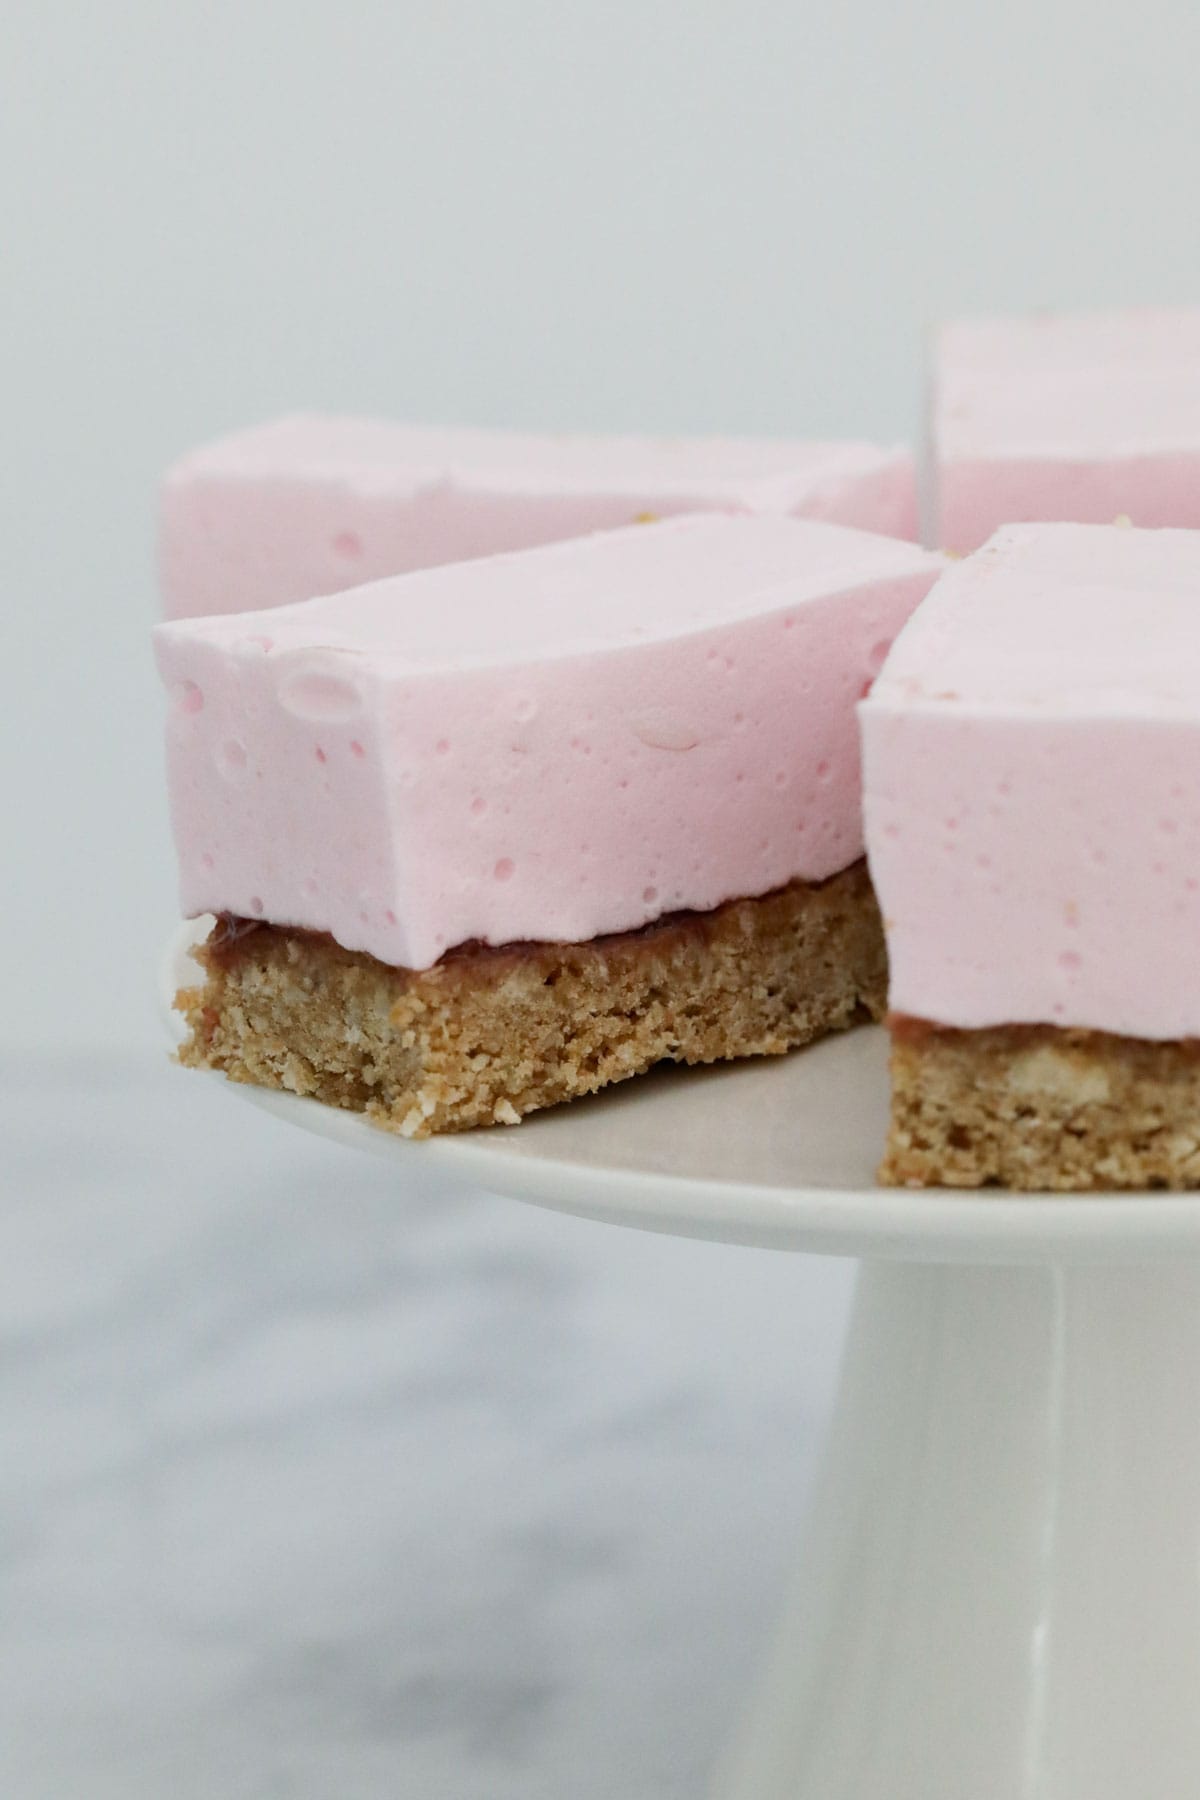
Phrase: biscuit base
pixel 1041 1107
pixel 488 1035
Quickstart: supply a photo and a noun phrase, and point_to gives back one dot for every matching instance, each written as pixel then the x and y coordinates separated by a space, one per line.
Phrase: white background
pixel 665 215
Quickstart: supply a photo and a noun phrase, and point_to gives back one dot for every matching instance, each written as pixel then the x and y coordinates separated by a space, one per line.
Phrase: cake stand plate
pixel 999 1595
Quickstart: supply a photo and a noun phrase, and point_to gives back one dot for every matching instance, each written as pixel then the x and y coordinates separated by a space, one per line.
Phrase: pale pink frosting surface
pixel 1067 417
pixel 312 505
pixel 548 745
pixel 1032 786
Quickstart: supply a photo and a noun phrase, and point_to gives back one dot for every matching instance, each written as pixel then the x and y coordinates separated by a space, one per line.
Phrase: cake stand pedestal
pixel 999 1595
pixel 999 1592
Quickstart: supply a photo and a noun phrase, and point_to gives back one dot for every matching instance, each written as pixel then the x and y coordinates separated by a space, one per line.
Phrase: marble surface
pixel 314 1484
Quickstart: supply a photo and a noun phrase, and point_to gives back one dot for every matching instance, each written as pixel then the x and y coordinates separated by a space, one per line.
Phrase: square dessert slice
pixel 1087 418
pixel 1032 796
pixel 499 833
pixel 311 505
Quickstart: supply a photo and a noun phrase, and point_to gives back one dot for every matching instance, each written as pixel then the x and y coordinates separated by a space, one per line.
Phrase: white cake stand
pixel 999 1597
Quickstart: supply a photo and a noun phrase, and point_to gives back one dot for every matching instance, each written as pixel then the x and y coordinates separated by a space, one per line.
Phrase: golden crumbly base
pixel 488 1035
pixel 1041 1107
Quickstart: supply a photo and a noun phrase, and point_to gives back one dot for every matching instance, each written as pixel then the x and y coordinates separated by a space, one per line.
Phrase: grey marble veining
pixel 315 1485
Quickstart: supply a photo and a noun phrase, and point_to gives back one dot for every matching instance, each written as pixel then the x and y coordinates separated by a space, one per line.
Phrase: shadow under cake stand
pixel 999 1593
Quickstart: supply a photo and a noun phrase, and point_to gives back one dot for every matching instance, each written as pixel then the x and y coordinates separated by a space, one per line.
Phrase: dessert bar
pixel 310 505
pixel 1032 797
pixel 515 828
pixel 1084 418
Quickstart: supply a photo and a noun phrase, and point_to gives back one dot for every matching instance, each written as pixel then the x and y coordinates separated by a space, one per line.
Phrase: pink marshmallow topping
pixel 1085 418
pixel 1032 786
pixel 312 505
pixel 546 745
